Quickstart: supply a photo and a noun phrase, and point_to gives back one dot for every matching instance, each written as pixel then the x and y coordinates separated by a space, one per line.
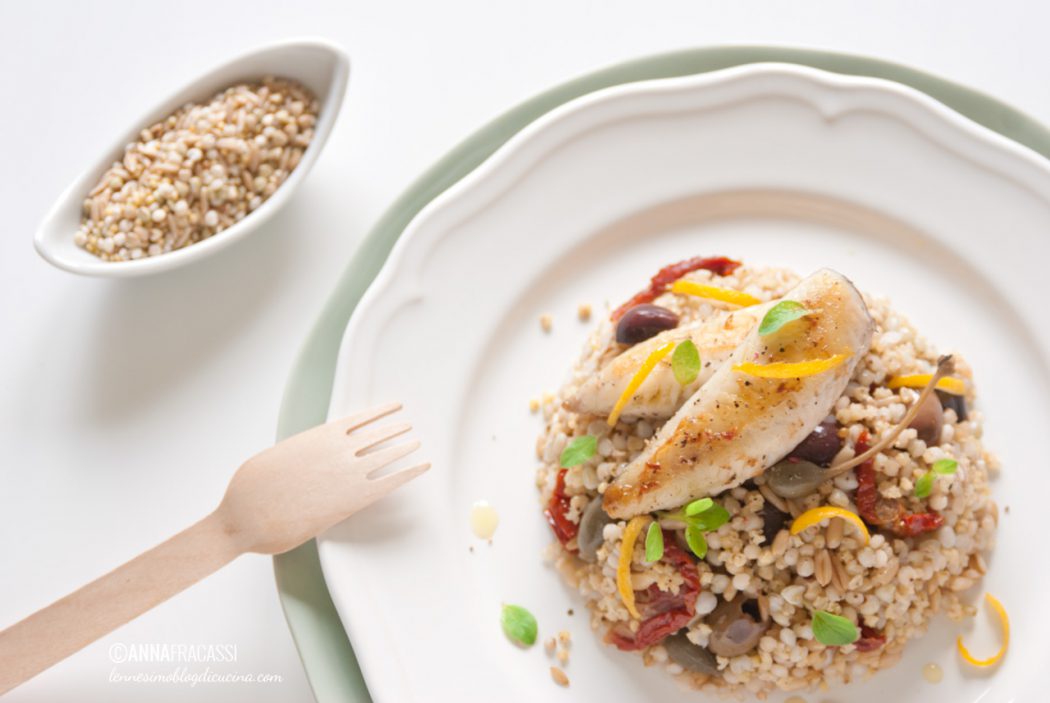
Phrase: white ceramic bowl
pixel 321 66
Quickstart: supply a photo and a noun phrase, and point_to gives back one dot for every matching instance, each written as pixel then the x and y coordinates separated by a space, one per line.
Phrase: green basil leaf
pixel 694 537
pixel 579 450
pixel 945 467
pixel 780 314
pixel 519 625
pixel 925 484
pixel 685 362
pixel 654 542
pixel 699 506
pixel 834 630
pixel 711 519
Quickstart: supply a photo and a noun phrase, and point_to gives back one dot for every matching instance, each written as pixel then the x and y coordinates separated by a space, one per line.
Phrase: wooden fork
pixel 277 500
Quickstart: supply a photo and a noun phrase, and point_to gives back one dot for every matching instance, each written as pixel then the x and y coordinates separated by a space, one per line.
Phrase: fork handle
pixel 53 633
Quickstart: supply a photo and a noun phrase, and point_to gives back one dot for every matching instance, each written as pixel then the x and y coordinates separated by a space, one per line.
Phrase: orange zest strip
pixel 725 295
pixel 948 384
pixel 623 567
pixel 638 379
pixel 1004 622
pixel 781 369
pixel 815 515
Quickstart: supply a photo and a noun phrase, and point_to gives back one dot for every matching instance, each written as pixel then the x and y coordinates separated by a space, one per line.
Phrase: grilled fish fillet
pixel 661 395
pixel 736 425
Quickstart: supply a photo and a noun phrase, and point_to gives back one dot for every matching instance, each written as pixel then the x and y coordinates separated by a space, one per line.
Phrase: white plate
pixel 767 163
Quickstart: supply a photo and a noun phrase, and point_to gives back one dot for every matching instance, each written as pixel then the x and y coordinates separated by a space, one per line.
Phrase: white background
pixel 126 405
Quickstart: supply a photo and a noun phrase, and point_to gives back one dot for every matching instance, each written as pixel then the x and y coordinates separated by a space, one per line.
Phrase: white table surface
pixel 125 405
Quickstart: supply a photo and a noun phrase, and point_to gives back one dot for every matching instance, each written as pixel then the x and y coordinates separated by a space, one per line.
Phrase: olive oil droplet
pixel 483 520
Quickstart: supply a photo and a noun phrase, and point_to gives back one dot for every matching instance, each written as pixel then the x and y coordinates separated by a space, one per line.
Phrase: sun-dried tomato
pixel 658 284
pixel 870 639
pixel 915 524
pixel 663 613
pixel 867 495
pixel 885 513
pixel 557 510
pixel 652 631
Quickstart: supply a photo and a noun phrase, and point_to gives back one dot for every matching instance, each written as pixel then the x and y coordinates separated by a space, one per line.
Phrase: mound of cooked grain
pixel 892 586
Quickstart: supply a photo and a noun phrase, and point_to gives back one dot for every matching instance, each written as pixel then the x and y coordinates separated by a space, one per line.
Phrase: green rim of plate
pixel 324 648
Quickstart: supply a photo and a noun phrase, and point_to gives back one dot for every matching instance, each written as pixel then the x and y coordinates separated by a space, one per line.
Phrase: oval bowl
pixel 319 65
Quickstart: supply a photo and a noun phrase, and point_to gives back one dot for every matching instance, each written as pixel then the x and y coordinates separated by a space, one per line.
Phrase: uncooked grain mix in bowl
pixel 198 171
pixel 759 481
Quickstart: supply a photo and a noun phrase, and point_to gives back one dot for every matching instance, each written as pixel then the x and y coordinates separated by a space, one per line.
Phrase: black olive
pixel 592 524
pixel 954 402
pixel 736 627
pixel 794 478
pixel 773 520
pixel 821 445
pixel 644 321
pixel 929 420
pixel 689 656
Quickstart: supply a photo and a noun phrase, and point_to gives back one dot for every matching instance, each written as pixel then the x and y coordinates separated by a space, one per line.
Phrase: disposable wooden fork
pixel 277 500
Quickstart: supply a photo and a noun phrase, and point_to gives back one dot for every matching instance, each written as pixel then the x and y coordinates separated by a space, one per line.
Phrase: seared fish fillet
pixel 661 395
pixel 737 425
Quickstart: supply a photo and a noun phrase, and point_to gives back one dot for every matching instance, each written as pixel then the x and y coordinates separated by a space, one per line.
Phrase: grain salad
pixel 763 482
pixel 198 171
